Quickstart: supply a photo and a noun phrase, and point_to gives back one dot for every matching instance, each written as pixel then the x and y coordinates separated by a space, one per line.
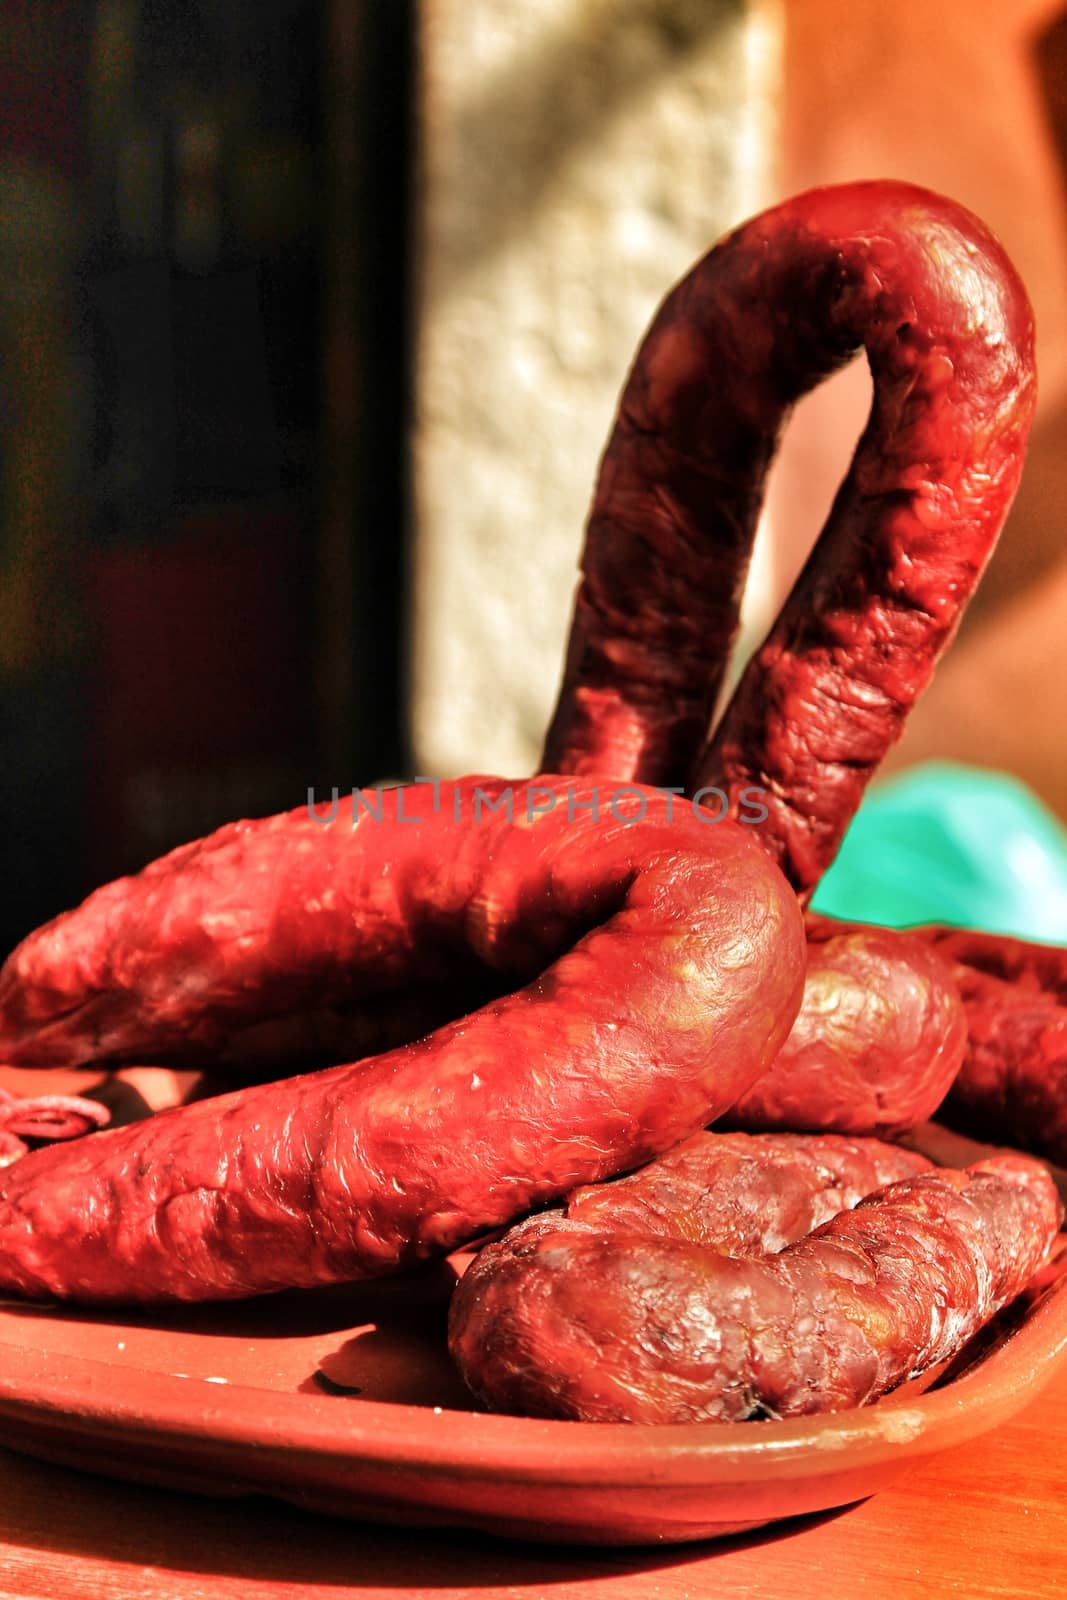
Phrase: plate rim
pixel 52 1389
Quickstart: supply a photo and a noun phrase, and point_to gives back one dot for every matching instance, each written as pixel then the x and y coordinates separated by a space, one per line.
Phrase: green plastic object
pixel 956 844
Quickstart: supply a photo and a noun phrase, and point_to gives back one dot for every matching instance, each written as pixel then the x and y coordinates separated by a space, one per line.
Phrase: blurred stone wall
pixel 576 156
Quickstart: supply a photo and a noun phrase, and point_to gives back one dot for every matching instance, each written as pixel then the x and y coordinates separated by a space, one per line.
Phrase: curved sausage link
pixel 878 1041
pixel 630 1327
pixel 926 290
pixel 744 1194
pixel 628 944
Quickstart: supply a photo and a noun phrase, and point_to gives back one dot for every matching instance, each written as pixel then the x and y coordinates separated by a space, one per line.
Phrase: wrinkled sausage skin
pixel 629 945
pixel 251 966
pixel 232 949
pixel 742 1193
pixel 622 1326
pixel 1012 1086
pixel 878 1040
pixel 925 289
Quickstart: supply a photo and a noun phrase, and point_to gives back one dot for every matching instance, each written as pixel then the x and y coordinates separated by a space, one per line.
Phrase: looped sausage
pixel 625 1324
pixel 926 290
pixel 1009 995
pixel 662 962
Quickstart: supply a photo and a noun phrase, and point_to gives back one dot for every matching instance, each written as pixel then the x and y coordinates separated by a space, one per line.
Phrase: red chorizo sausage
pixel 878 1040
pixel 188 963
pixel 775 307
pixel 745 1194
pixel 629 944
pixel 623 1326
pixel 1012 1085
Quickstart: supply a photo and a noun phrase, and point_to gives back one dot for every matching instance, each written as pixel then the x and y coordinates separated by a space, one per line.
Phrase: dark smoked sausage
pixel 630 1326
pixel 628 944
pixel 922 286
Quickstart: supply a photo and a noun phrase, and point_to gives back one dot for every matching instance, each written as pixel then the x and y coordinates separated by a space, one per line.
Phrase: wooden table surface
pixel 991 1520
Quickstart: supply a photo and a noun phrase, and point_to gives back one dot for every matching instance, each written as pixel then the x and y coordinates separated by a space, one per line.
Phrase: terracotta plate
pixel 344 1401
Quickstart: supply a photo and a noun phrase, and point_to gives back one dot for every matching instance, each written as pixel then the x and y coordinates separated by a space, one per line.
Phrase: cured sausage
pixel 628 944
pixel 922 286
pixel 742 1193
pixel 925 289
pixel 878 1040
pixel 1012 1085
pixel 628 1326
pixel 264 945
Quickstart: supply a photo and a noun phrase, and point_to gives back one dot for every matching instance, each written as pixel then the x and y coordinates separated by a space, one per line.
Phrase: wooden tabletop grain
pixel 988 1521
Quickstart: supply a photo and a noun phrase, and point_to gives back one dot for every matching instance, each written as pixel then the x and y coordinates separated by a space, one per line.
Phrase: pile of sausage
pixel 722 1304
pixel 534 987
